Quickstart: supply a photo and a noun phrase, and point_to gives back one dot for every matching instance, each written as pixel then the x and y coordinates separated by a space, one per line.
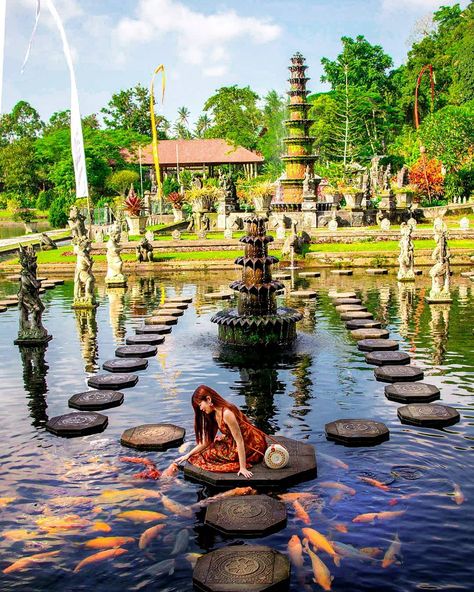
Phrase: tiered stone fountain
pixel 257 319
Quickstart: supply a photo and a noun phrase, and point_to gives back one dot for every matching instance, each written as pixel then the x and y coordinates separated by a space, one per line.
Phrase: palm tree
pixel 202 125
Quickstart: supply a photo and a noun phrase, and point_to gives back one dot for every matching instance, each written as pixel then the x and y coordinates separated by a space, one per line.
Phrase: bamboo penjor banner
pixel 154 133
pixel 3 15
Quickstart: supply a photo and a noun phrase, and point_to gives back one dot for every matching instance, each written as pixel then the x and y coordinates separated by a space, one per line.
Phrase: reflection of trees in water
pixel 406 303
pixel 86 324
pixel 384 302
pixel 34 379
pixel 303 384
pixel 439 329
pixel 116 312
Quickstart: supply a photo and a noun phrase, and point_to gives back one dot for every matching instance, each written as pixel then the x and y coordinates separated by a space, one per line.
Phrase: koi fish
pixel 458 494
pixel 4 501
pixel 295 551
pixel 170 471
pixel 350 552
pixel 322 575
pixel 100 556
pixel 337 497
pixel 100 526
pixel 181 543
pixel 141 516
pixel 149 473
pixel 87 470
pixel 160 568
pixel 394 501
pixel 339 526
pixel 298 496
pixel 26 562
pixel 230 493
pixel 108 542
pixel 372 516
pixel 192 558
pixel 319 541
pixel 59 523
pixel 137 460
pixel 393 552
pixel 301 513
pixel 149 535
pixel 374 483
pixel 66 501
pixel 176 507
pixel 336 462
pixel 20 534
pixel 119 495
pixel 336 485
pixel 371 551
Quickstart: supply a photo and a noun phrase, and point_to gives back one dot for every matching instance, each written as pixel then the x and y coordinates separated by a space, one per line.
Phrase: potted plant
pixel 202 199
pixel 176 199
pixel 26 216
pixel 352 195
pixel 135 219
pixel 262 194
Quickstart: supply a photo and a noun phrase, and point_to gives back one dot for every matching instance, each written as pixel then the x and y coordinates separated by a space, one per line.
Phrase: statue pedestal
pixel 136 224
pixel 387 201
pixel 84 303
pixel 32 341
pixel 439 298
pixel 116 282
pixel 408 277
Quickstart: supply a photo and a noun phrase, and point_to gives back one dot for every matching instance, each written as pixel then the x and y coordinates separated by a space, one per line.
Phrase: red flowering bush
pixel 426 175
pixel 176 200
pixel 133 203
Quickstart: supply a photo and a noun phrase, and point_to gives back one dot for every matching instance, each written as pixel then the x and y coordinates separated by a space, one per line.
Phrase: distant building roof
pixel 197 153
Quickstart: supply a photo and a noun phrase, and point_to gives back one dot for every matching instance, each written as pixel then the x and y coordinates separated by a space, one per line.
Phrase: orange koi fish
pixel 336 485
pixel 371 551
pixel 149 473
pixel 301 513
pixel 20 534
pixel 108 542
pixel 230 493
pixel 149 535
pixel 59 523
pixel 137 460
pixel 176 507
pixel 26 562
pixel 4 501
pixel 170 471
pixel 100 556
pixel 337 497
pixel 372 516
pixel 66 501
pixel 322 575
pixel 119 495
pixel 374 483
pixel 100 526
pixel 336 462
pixel 299 496
pixel 393 552
pixel 319 541
pixel 141 516
pixel 458 495
pixel 295 551
pixel 192 558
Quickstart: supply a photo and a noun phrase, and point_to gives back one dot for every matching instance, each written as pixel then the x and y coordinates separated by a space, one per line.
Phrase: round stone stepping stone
pixel 219 295
pixel 172 312
pixel 377 271
pixel 398 373
pixel 357 432
pixel 428 414
pixel 81 423
pixel 385 358
pixel 48 285
pixel 161 320
pixel 339 301
pixel 356 314
pixel 13 278
pixel 342 271
pixel 351 308
pixel 310 274
pixel 58 282
pixel 112 381
pixel 156 329
pixel 149 339
pixel 377 345
pixel 467 274
pixel 247 515
pixel 96 400
pixel 6 303
pixel 253 568
pixel 125 365
pixel 282 276
pixel 153 436
pixel 42 279
pixel 363 323
pixel 303 294
pixel 187 299
pixel 334 294
pixel 370 334
pixel 3 308
pixel 136 351
pixel 412 392
pixel 174 305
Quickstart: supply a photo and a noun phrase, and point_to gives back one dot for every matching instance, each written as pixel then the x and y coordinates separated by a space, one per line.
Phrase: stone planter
pixel 31 227
pixel 262 204
pixel 137 224
pixel 202 204
pixel 177 215
pixel 354 200
pixel 403 200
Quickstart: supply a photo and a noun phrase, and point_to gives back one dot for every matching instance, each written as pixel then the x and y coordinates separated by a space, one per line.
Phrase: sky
pixel 203 45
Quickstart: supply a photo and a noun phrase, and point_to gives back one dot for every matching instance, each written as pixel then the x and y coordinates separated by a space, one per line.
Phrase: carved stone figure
pixel 196 182
pixel 176 234
pixel 31 330
pixel 441 271
pixel 205 223
pixel 402 177
pixel 144 251
pixel 84 281
pixel 386 178
pixel 47 244
pixel 114 275
pixel 77 225
pixel 406 259
pixel 237 224
pixel 385 224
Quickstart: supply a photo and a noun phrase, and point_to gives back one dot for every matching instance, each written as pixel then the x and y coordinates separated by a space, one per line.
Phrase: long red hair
pixel 205 424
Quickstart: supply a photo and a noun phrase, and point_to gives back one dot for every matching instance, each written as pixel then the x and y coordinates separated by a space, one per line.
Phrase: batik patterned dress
pixel 222 456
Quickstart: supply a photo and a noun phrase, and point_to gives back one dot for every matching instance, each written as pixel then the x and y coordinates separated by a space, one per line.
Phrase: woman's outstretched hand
pixel 245 473
pixel 182 459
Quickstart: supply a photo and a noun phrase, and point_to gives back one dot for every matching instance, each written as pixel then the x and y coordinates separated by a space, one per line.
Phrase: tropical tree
pixel 120 181
pixel 18 168
pixel 202 125
pixel 270 137
pixel 23 122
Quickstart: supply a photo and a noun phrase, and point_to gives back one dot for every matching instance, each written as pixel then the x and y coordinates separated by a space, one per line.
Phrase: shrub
pixel 170 185
pixel 427 175
pixel 44 200
pixel 58 212
pixel 121 180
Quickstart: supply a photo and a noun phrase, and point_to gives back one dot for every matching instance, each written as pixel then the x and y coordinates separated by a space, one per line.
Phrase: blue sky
pixel 203 44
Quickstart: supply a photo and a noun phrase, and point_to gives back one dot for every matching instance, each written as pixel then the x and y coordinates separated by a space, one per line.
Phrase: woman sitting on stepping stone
pixel 240 446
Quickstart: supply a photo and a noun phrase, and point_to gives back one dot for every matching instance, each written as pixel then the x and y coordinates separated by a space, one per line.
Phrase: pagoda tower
pixel 299 158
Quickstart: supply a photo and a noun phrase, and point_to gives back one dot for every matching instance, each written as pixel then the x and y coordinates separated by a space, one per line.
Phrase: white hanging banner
pixel 3 16
pixel 28 51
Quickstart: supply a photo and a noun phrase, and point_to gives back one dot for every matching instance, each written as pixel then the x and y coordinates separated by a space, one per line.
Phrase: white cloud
pixel 413 5
pixel 201 38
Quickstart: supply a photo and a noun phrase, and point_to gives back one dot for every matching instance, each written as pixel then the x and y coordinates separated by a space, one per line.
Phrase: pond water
pixel 323 379
pixel 12 229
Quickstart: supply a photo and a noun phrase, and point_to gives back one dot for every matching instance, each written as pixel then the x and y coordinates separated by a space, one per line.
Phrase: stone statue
pixel 84 281
pixel 402 177
pixel 237 224
pixel 196 182
pixel 153 186
pixel 144 251
pixel 205 223
pixel 386 178
pixel 406 259
pixel 77 225
pixel 114 275
pixel 441 271
pixel 31 330
pixel 306 181
pixel 47 244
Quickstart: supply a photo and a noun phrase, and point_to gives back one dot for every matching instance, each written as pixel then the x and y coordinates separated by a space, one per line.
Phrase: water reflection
pixel 117 312
pixel 439 329
pixel 34 380
pixel 406 304
pixel 302 384
pixel 86 324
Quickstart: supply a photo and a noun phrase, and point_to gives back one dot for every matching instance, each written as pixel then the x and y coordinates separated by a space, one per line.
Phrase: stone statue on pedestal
pixel 31 330
pixel 114 275
pixel 47 244
pixel 77 224
pixel 84 281
pixel 402 177
pixel 441 271
pixel 406 259
pixel 144 251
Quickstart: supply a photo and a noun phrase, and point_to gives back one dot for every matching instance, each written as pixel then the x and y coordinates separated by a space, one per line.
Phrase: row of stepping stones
pixel 129 358
pixel 393 366
pixel 46 284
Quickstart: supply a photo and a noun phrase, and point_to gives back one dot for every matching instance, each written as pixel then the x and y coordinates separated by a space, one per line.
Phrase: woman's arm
pixel 195 450
pixel 234 427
